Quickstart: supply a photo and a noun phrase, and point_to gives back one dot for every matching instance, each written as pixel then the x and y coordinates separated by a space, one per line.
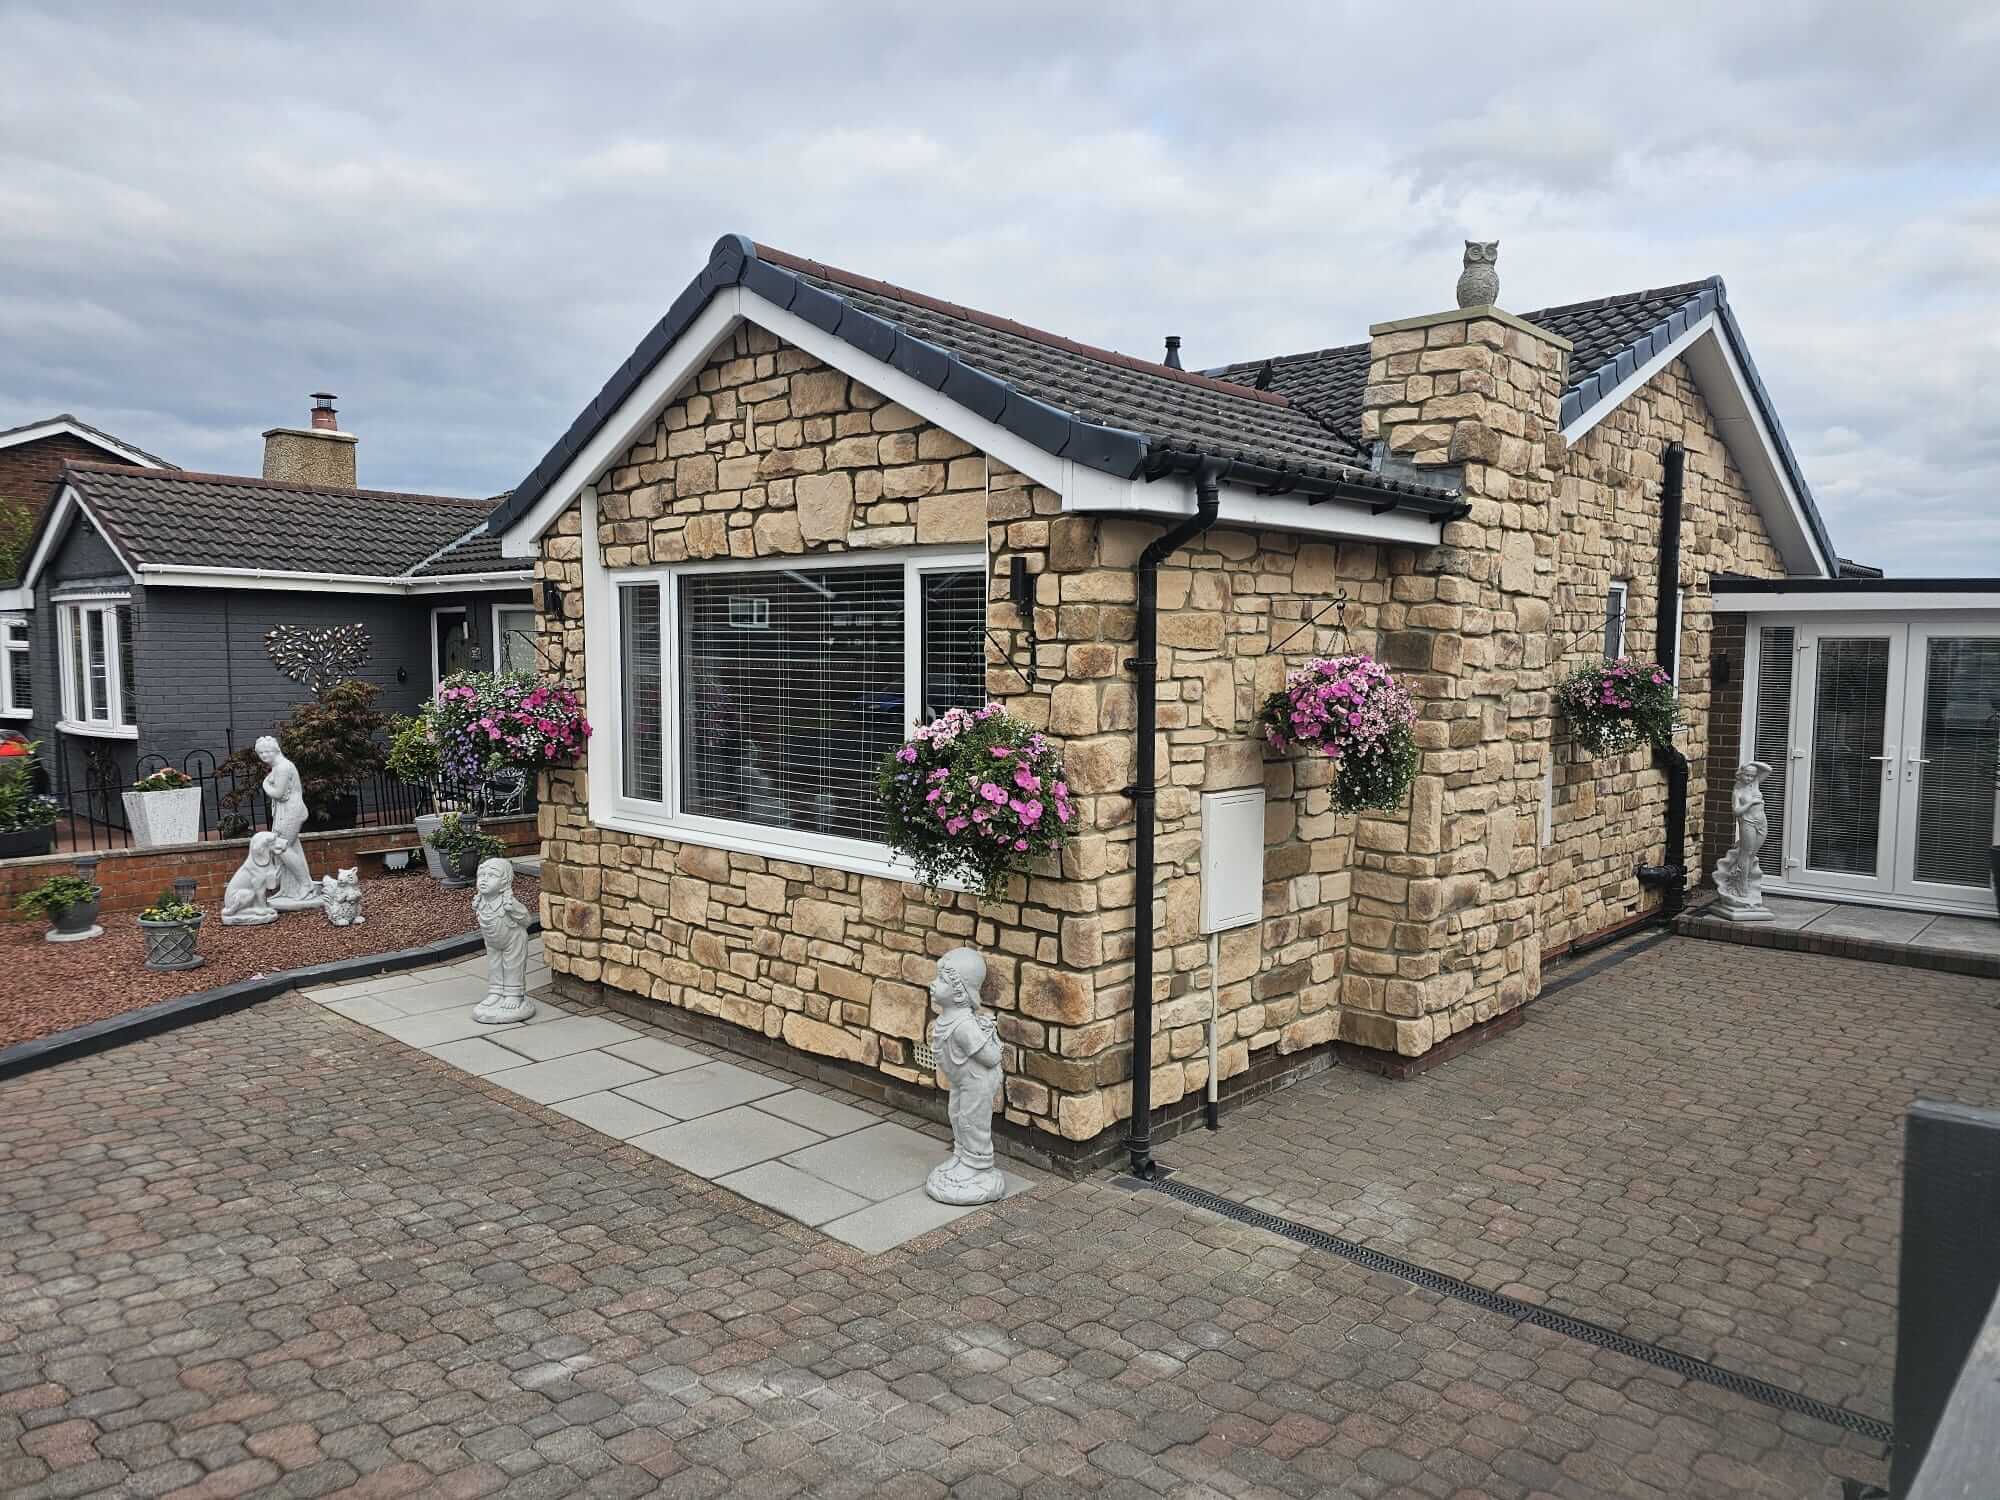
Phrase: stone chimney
pixel 1446 935
pixel 317 455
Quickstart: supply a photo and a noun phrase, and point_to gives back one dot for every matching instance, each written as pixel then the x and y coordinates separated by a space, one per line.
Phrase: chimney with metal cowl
pixel 320 454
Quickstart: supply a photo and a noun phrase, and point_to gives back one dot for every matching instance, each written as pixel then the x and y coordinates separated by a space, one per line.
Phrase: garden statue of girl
pixel 967 1047
pixel 297 890
pixel 503 923
pixel 1739 879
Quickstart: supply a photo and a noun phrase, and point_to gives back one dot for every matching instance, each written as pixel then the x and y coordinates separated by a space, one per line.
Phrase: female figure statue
pixel 967 1046
pixel 297 890
pixel 1739 879
pixel 503 923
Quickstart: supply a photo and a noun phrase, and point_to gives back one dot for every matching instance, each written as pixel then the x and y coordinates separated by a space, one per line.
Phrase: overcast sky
pixel 461 218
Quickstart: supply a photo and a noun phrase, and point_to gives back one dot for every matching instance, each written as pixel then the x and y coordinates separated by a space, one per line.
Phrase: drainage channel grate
pixel 1526 1312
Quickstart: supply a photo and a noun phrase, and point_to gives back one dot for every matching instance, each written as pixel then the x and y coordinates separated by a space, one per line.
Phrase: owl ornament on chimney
pixel 1479 282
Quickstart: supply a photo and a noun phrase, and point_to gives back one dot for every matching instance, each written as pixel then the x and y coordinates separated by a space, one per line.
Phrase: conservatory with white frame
pixel 1876 703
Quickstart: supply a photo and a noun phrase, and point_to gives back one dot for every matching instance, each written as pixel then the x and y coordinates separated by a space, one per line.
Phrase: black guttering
pixel 1734 583
pixel 1317 483
pixel 1671 873
pixel 1144 790
pixel 734 262
pixel 1587 388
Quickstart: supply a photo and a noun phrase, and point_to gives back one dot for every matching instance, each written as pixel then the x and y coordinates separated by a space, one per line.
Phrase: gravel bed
pixel 54 986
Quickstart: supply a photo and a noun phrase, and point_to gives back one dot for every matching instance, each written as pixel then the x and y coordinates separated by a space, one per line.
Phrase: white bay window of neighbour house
pixel 768 696
pixel 17 699
pixel 98 677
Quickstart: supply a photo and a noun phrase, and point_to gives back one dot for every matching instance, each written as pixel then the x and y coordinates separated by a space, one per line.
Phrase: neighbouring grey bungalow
pixel 138 627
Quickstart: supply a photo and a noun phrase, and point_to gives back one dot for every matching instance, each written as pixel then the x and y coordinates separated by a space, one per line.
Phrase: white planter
pixel 164 817
pixel 428 824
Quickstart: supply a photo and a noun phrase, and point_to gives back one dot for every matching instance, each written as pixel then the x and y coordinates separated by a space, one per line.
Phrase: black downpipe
pixel 1671 874
pixel 1145 666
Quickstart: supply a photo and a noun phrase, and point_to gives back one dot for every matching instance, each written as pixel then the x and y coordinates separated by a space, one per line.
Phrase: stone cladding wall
pixel 1608 812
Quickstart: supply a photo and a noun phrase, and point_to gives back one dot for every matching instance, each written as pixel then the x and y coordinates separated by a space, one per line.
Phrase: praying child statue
pixel 503 923
pixel 967 1046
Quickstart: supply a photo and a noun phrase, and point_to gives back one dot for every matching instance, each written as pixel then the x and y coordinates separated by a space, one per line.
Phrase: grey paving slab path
pixel 849 1168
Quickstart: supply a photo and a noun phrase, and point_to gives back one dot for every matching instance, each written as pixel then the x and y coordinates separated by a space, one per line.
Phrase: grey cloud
pixel 463 226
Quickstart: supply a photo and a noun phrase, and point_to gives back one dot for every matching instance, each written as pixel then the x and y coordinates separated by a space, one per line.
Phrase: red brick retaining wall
pixel 134 878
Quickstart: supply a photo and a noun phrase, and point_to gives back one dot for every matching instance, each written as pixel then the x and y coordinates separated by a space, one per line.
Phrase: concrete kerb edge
pixel 184 1010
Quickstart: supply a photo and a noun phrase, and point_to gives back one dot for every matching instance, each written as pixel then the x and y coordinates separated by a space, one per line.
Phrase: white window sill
pixel 98 731
pixel 749 841
pixel 17 713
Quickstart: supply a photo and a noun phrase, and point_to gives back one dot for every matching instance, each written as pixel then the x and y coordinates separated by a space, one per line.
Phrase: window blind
pixel 954 640
pixel 1614 621
pixel 791 692
pixel 1771 733
pixel 19 676
pixel 1850 712
pixel 128 681
pixel 643 747
pixel 1955 800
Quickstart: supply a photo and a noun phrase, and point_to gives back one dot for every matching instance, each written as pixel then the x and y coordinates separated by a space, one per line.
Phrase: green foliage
pixel 58 894
pixel 20 806
pixel 1613 706
pixel 166 779
pixel 454 837
pixel 331 739
pixel 413 754
pixel 17 522
pixel 170 908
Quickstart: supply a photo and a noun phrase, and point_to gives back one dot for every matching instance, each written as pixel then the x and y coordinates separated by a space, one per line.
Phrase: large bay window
pixel 757 700
pixel 17 699
pixel 99 686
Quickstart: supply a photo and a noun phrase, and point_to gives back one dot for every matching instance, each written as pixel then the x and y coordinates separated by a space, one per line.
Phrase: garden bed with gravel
pixel 51 987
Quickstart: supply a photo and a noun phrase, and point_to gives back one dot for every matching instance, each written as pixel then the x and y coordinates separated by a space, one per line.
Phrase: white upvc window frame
pixel 665 817
pixel 500 607
pixel 76 700
pixel 1619 615
pixel 472 641
pixel 15 640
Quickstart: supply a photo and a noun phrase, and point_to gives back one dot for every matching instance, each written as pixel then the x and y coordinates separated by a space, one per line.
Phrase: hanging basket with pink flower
pixel 973 796
pixel 1615 706
pixel 1352 710
pixel 482 722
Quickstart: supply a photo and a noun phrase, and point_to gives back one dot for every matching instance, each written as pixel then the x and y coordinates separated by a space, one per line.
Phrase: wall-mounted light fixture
pixel 551 597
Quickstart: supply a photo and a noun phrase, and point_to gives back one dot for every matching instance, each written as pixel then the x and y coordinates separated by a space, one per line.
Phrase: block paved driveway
pixel 280 1253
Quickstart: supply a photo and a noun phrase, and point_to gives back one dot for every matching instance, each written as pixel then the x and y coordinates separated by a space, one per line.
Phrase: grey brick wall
pixel 206 683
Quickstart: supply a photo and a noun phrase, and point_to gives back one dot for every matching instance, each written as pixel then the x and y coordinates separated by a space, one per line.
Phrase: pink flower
pixel 956 825
pixel 907 755
pixel 1027 780
pixel 992 792
pixel 1020 844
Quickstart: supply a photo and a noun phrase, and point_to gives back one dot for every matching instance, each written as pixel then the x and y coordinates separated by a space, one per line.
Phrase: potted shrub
pixel 1614 706
pixel 27 819
pixel 460 846
pixel 413 759
pixel 331 739
pixel 164 808
pixel 973 796
pixel 170 925
pixel 1352 710
pixel 70 903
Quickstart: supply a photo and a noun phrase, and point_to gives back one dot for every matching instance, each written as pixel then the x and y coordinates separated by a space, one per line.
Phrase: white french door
pixel 1882 740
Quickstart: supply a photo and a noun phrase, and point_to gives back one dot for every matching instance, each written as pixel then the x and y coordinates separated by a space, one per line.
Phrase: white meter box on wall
pixel 1232 858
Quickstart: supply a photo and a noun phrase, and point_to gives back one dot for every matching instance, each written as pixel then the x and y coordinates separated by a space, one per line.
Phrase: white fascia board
pixel 17 599
pixel 681 362
pixel 53 532
pixel 96 440
pixel 155 575
pixel 1733 408
pixel 1173 497
pixel 1915 602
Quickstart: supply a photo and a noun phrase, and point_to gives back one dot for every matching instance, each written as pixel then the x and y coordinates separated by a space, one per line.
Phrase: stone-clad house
pixel 813 508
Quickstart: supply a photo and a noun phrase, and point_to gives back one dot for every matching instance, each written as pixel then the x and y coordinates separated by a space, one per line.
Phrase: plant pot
pixel 73 924
pixel 23 843
pixel 160 818
pixel 171 945
pixel 341 810
pixel 428 824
